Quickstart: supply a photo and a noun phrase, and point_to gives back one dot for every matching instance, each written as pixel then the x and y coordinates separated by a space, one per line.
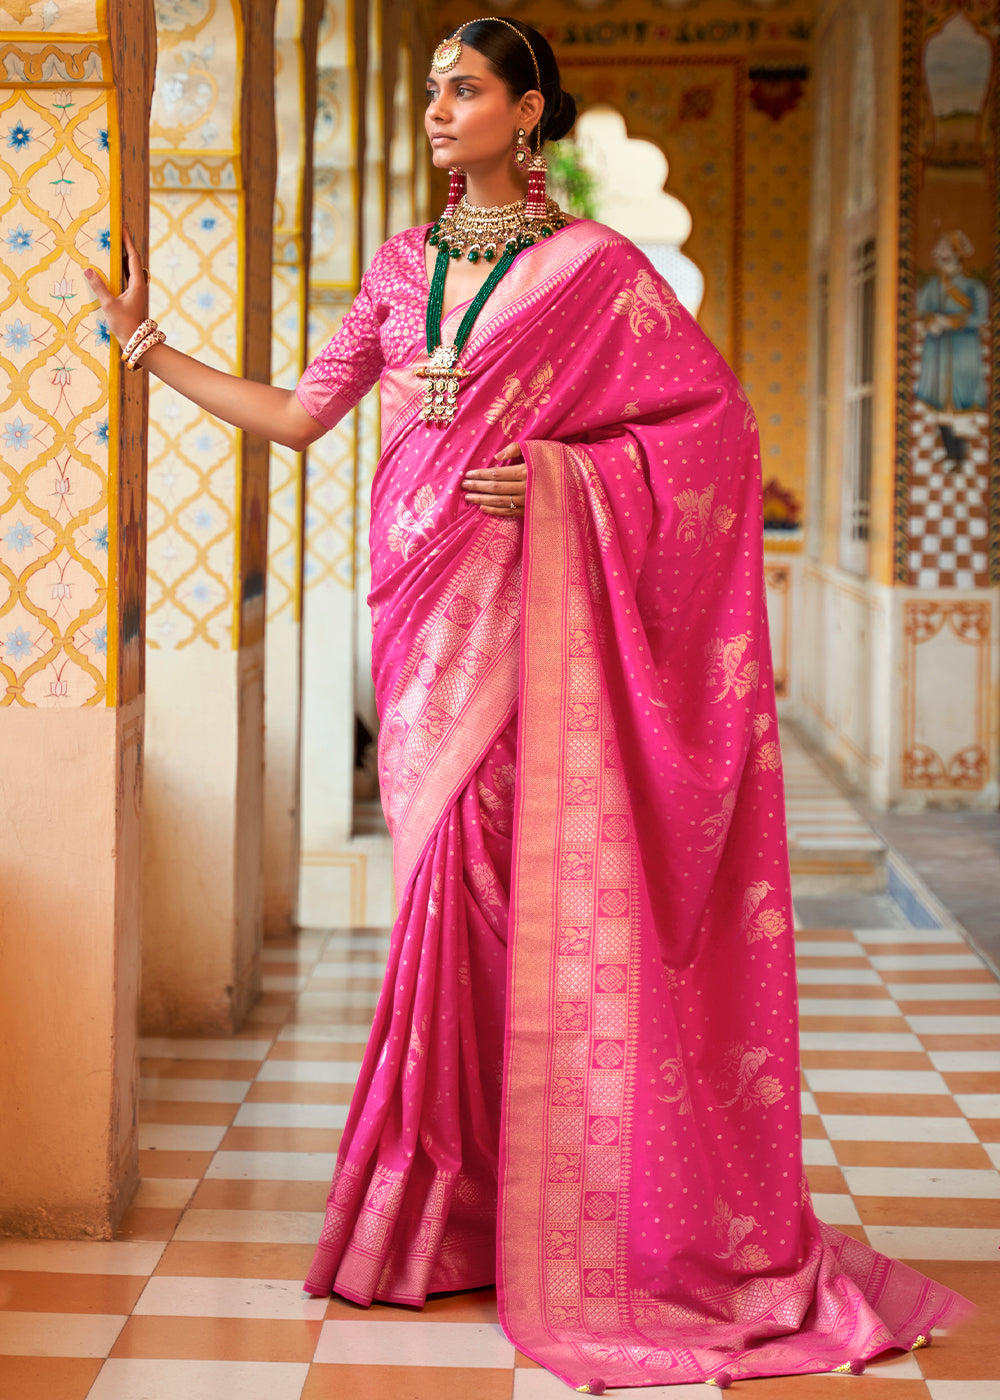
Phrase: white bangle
pixel 140 333
pixel 156 337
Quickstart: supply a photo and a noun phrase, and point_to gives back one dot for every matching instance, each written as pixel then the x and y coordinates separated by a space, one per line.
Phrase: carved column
pixel 74 109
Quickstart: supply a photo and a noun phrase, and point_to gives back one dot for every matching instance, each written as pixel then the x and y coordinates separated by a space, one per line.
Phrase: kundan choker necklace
pixel 496 234
pixel 487 233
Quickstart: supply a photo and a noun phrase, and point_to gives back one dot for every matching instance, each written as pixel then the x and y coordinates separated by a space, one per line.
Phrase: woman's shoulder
pixel 592 239
pixel 399 253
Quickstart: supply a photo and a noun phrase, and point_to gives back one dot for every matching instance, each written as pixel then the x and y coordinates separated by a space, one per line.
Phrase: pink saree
pixel 582 1079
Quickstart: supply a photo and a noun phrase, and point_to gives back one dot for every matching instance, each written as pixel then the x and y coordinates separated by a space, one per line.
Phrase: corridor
pixel 200 1298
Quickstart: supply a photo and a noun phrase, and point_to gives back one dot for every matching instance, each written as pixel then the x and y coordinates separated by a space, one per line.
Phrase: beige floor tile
pixel 58 1333
pixel 137 1378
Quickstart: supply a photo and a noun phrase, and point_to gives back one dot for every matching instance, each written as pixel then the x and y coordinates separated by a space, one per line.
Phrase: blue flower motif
pixel 200 593
pixel 19 239
pixel 100 538
pixel 208 223
pixel 17 435
pixel 101 639
pixel 206 300
pixel 19 644
pixel 19 136
pixel 203 519
pixel 17 336
pixel 102 139
pixel 101 431
pixel 204 442
pixel 19 536
pixel 103 334
pixel 104 240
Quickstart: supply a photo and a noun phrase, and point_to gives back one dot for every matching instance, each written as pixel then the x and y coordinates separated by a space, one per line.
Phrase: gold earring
pixel 522 151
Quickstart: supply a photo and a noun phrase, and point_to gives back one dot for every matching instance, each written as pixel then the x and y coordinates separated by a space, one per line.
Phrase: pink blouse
pixel 383 329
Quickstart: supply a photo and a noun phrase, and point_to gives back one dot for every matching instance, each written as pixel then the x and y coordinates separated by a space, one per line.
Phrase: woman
pixel 582 1078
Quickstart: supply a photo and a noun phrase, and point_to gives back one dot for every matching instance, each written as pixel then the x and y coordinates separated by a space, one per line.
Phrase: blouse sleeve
pixel 347 367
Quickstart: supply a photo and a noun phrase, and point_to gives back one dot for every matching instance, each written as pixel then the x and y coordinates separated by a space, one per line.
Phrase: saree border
pixel 573 999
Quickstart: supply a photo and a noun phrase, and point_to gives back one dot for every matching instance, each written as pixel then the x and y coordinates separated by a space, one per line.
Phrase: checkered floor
pixel 949 508
pixel 201 1297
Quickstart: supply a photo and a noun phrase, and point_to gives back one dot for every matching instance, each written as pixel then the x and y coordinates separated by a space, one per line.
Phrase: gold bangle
pixel 140 333
pixel 156 338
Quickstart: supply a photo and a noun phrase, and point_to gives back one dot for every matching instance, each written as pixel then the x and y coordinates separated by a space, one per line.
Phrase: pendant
pixel 443 377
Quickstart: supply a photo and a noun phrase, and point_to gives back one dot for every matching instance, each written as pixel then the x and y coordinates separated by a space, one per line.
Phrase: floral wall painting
pixel 949 204
pixel 54 404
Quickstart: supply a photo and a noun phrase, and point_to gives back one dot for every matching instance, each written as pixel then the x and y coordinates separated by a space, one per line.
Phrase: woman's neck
pixel 488 189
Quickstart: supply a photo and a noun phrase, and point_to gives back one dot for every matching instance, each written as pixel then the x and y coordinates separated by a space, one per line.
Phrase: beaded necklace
pixel 443 373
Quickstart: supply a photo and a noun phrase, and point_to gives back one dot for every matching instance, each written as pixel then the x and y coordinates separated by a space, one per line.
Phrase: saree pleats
pixel 412 1208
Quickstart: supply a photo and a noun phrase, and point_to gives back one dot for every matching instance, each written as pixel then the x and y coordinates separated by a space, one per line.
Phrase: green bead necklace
pixel 443 373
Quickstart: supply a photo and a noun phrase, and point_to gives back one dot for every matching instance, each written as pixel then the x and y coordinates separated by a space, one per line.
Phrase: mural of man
pixel 952 306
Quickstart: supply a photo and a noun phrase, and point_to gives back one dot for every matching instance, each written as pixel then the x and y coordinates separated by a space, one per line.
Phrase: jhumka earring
pixel 456 189
pixel 521 153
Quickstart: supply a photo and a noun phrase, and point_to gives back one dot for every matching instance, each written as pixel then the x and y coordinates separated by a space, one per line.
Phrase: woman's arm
pixel 275 414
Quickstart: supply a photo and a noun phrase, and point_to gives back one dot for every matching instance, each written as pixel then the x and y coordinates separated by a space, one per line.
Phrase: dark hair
pixel 510 58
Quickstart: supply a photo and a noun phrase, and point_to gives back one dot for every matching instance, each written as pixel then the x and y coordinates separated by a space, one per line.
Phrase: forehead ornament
pixel 449 51
pixel 447 54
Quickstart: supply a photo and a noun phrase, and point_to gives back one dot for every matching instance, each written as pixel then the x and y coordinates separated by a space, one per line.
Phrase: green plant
pixel 571 182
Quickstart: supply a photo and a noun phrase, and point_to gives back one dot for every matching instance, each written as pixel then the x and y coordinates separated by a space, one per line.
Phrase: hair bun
pixel 563 117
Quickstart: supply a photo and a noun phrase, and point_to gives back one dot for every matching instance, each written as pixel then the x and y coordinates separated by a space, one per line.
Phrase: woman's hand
pixel 125 313
pixel 499 490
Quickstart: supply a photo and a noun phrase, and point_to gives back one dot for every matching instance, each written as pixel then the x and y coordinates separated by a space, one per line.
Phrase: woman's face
pixel 471 117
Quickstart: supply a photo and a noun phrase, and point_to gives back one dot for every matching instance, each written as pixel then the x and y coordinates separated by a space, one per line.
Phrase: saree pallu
pixel 586 1047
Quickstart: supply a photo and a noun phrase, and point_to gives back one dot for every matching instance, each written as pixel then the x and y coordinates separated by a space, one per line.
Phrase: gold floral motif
pixel 726 657
pixel 676 1083
pixel 412 525
pixel 715 827
pixel 702 520
pixel 749 418
pixel 757 923
pixel 646 303
pixel 742 1067
pixel 732 1230
pixel 513 406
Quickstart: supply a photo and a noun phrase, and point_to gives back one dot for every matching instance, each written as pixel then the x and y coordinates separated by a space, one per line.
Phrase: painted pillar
pixel 329 620
pixel 295 103
pixel 74 108
pixel 212 156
